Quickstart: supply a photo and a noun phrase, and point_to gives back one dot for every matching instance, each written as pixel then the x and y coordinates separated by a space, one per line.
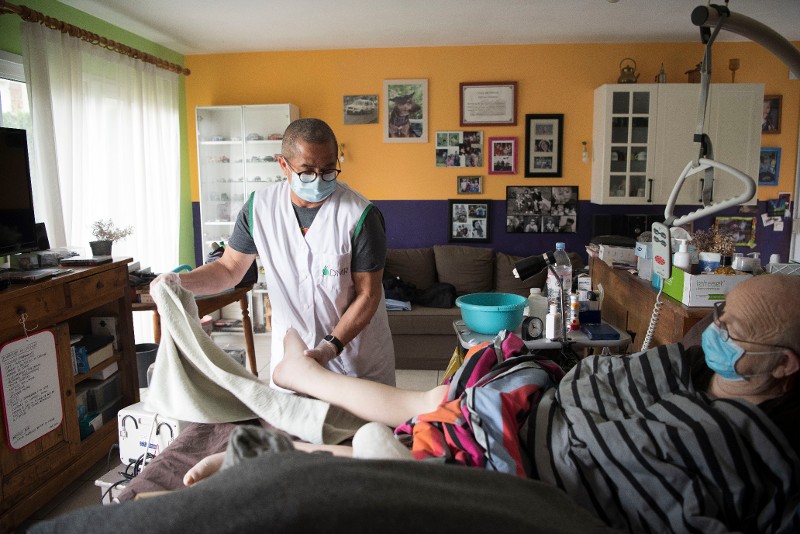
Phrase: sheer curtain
pixel 106 137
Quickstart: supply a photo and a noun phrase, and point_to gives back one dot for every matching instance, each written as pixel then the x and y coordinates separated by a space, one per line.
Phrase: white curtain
pixel 106 138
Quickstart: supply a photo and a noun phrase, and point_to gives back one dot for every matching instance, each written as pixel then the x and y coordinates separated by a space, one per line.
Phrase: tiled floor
pixel 84 492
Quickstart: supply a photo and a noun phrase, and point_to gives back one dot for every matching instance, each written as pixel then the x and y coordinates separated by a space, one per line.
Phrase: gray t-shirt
pixel 369 246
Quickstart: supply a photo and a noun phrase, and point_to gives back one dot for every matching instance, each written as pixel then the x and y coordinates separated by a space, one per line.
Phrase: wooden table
pixel 210 303
pixel 628 304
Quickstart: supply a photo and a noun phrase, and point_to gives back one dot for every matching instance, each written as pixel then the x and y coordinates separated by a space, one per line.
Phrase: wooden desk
pixel 628 303
pixel 33 474
pixel 212 303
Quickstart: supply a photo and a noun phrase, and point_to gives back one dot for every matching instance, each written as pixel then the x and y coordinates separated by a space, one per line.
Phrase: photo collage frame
pixel 541 209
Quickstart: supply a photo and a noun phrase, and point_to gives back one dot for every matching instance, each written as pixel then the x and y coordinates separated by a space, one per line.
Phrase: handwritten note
pixel 31 393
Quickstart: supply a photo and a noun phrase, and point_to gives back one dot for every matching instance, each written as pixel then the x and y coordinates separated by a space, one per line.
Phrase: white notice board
pixel 31 392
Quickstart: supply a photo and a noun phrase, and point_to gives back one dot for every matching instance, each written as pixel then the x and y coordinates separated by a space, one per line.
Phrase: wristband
pixel 336 343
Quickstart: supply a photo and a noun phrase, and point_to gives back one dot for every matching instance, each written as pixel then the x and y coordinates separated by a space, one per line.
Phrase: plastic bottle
pixel 755 258
pixel 537 304
pixel 552 324
pixel 563 268
pixel 574 311
pixel 681 259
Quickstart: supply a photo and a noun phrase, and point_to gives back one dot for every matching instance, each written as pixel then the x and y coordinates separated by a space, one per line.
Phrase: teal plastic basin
pixel 488 313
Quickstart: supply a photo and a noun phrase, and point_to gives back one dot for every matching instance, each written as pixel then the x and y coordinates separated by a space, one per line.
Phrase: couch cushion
pixel 506 282
pixel 413 265
pixel 469 269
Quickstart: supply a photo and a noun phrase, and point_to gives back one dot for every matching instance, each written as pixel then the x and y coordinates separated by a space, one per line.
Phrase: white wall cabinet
pixel 237 148
pixel 236 151
pixel 643 138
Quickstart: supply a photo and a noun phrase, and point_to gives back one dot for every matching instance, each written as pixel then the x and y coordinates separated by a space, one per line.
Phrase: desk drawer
pixel 96 286
pixel 42 308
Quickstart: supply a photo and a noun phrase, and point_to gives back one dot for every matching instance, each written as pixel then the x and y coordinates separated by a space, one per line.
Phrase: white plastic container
pixel 563 268
pixel 681 259
pixel 552 324
pixel 537 304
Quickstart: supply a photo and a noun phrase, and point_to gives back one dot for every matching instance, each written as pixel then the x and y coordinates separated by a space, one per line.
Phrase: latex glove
pixel 171 279
pixel 323 353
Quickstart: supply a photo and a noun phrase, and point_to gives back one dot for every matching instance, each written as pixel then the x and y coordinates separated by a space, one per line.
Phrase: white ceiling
pixel 218 26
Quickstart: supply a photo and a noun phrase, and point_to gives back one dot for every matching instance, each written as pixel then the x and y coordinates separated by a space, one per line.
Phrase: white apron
pixel 309 280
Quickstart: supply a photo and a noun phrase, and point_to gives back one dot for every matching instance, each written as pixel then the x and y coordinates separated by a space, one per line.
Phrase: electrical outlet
pixel 662 254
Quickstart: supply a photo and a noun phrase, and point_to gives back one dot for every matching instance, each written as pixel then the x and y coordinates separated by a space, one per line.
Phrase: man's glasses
pixel 308 176
pixel 719 309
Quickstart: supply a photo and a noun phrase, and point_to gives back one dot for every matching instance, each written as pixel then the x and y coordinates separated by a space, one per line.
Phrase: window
pixel 15 111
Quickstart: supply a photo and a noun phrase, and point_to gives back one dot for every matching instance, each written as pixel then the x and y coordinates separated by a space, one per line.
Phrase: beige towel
pixel 194 380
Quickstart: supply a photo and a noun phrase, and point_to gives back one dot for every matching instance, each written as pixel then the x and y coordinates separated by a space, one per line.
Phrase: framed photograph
pixel 469 185
pixel 535 210
pixel 360 109
pixel 469 221
pixel 502 155
pixel 543 139
pixel 771 115
pixel 405 111
pixel 459 149
pixel 488 104
pixel 769 166
pixel 741 229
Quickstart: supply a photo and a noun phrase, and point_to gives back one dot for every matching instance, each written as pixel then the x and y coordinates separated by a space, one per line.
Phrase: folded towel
pixel 395 305
pixel 194 380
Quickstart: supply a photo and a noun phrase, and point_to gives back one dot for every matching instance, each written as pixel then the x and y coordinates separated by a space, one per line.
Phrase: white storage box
pixel 137 426
pixel 611 255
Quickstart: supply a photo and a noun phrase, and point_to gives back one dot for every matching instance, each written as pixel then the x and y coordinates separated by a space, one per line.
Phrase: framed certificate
pixel 488 104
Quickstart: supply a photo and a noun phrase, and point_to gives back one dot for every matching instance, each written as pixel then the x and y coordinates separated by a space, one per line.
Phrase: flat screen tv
pixel 17 221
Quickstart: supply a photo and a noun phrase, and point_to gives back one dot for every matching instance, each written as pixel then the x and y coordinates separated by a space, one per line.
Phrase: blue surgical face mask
pixel 721 356
pixel 316 191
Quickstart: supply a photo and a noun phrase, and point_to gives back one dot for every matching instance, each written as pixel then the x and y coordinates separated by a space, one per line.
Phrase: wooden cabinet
pixel 643 139
pixel 32 475
pixel 628 304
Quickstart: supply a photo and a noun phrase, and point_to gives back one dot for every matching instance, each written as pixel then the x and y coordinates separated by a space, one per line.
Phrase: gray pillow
pixel 468 269
pixel 413 265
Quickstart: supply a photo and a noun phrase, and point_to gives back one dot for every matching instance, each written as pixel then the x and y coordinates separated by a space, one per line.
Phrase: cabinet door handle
pixel 100 285
pixel 702 186
pixel 650 194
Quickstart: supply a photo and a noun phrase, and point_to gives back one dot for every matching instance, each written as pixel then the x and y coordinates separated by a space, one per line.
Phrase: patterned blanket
pixel 630 439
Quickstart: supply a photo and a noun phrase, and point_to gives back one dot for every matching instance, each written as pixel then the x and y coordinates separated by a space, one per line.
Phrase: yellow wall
pixel 551 79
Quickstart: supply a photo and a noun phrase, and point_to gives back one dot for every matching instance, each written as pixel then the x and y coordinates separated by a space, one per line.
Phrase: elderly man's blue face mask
pixel 721 355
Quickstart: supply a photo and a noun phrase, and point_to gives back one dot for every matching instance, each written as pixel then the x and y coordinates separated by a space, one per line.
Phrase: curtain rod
pixel 30 15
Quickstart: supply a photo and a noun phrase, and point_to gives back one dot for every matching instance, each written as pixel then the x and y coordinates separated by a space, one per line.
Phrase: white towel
pixel 194 380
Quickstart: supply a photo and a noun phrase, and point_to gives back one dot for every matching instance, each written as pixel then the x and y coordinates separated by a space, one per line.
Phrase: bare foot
pixel 203 469
pixel 291 371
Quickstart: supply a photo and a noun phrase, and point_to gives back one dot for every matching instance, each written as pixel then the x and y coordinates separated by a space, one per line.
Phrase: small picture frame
pixel 469 185
pixel 543 140
pixel 459 149
pixel 488 103
pixel 502 155
pixel 360 109
pixel 536 210
pixel 741 229
pixel 769 166
pixel 771 114
pixel 405 111
pixel 469 221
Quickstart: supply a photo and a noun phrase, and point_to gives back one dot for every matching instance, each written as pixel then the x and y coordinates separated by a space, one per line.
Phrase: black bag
pixel 396 289
pixel 439 295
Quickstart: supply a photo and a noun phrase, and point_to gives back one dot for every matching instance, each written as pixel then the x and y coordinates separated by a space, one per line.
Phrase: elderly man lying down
pixel 705 439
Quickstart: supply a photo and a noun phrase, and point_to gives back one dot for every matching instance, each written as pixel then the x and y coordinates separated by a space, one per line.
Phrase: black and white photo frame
pixel 541 209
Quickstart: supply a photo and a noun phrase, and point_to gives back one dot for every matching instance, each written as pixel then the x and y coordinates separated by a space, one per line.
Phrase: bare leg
pixel 368 400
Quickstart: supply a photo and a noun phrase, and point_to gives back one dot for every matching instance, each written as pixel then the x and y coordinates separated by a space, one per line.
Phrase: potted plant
pixel 105 233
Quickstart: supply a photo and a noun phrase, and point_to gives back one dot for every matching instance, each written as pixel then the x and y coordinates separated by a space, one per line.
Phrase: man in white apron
pixel 323 248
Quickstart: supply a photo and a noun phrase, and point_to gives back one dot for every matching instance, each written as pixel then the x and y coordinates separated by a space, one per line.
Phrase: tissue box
pixel 644 267
pixel 610 254
pixel 644 250
pixel 700 289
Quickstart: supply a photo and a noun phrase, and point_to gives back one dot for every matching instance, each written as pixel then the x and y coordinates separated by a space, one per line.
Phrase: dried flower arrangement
pixel 711 241
pixel 104 230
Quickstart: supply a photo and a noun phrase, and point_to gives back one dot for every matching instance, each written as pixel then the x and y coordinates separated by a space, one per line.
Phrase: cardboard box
pixel 644 268
pixel 584 282
pixel 697 290
pixel 610 255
